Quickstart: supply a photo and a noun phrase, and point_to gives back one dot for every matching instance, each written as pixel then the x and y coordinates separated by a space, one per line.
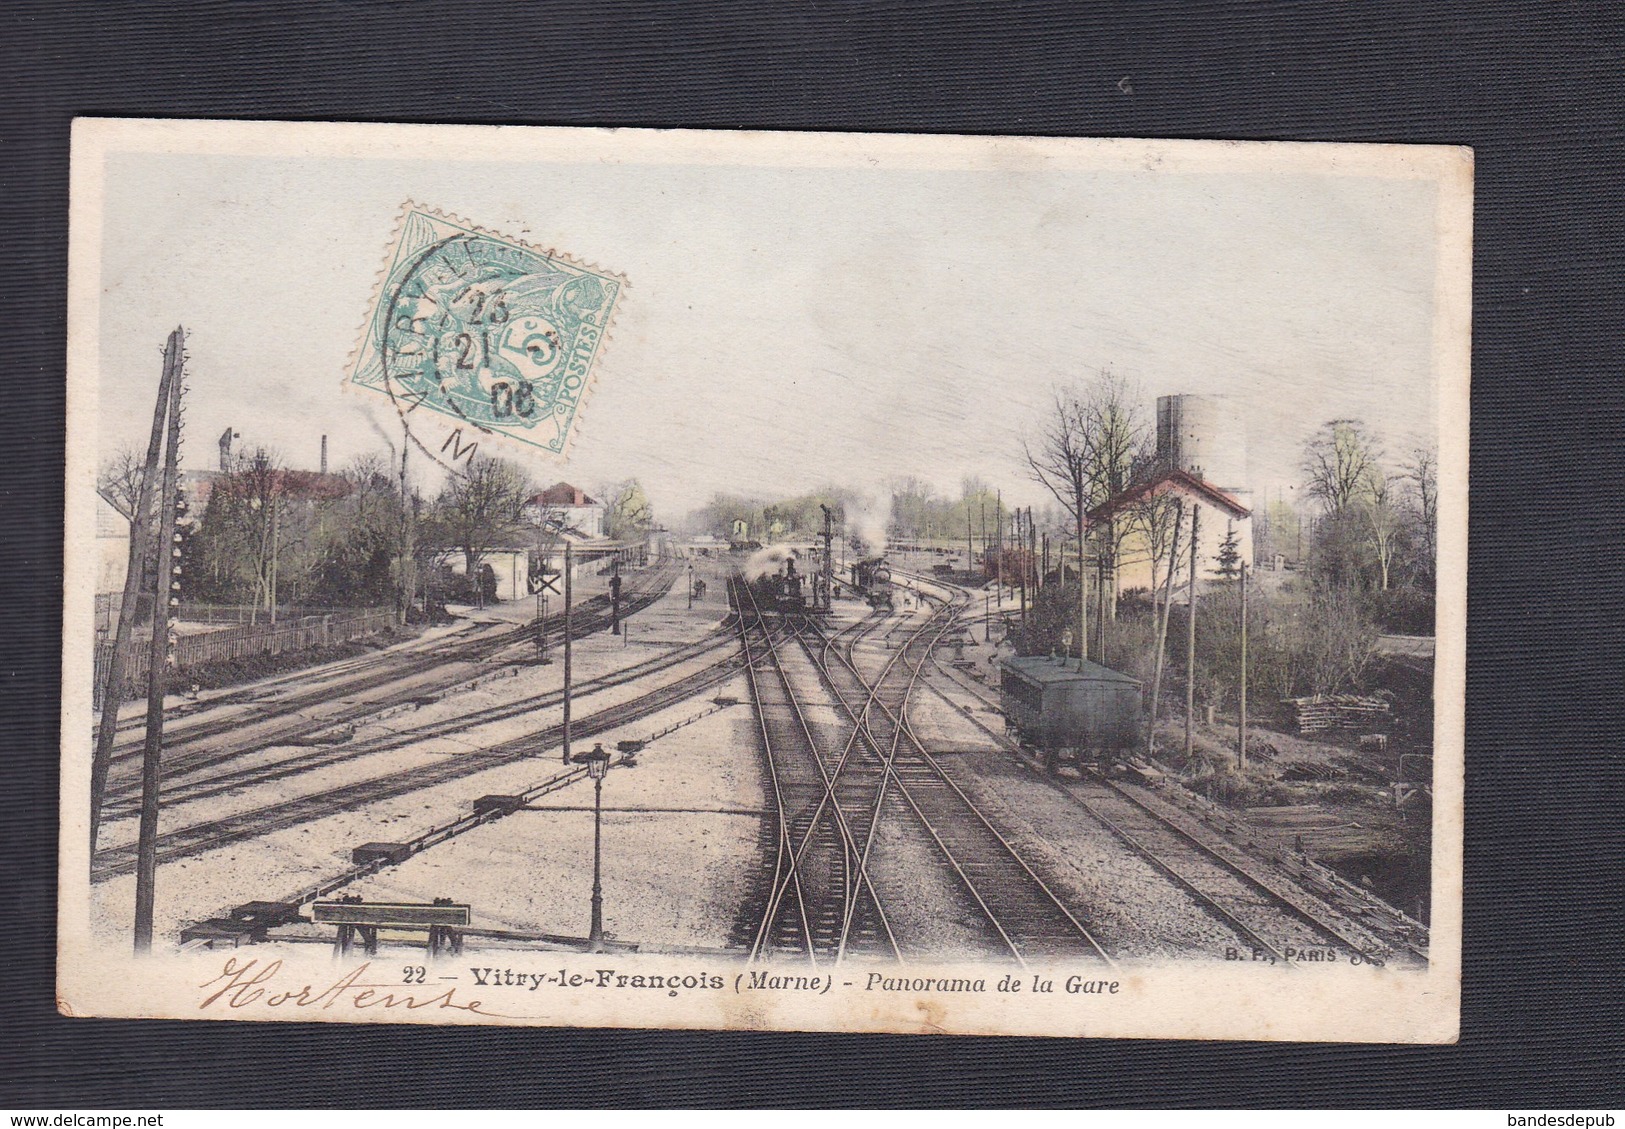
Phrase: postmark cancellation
pixel 492 334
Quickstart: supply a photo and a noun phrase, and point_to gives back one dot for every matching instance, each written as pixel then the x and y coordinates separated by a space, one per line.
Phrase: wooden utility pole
pixel 1161 660
pixel 1190 646
pixel 1021 551
pixel 406 570
pixel 140 551
pixel 998 551
pixel 829 561
pixel 157 669
pixel 984 537
pixel 1083 601
pixel 1100 603
pixel 1241 759
pixel 1032 554
pixel 569 569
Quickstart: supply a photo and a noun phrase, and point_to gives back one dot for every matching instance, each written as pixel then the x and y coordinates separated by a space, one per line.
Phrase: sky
pixel 791 327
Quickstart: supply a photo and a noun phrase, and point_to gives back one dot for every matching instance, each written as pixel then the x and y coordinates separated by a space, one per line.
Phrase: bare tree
pixel 1118 440
pixel 481 507
pixel 1376 502
pixel 1059 459
pixel 119 481
pixel 1337 640
pixel 1085 453
pixel 1337 461
pixel 244 522
pixel 1422 476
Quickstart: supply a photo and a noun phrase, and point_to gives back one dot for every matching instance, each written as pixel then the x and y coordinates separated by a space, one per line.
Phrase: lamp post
pixel 690 585
pixel 597 763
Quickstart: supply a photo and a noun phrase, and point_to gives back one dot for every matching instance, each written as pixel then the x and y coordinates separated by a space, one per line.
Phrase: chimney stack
pixel 324 454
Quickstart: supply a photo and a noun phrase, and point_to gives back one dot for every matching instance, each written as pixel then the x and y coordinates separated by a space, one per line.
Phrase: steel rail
pixel 784 862
pixel 853 885
pixel 221 783
pixel 184 842
pixel 1037 883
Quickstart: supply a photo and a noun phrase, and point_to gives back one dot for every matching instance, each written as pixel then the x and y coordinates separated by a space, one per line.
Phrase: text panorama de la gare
pixel 763 981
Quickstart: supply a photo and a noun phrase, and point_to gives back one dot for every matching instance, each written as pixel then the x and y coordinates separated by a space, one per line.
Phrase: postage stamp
pixel 492 334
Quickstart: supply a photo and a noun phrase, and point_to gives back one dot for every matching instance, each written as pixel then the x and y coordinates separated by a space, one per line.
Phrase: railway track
pixel 1267 910
pixel 207 835
pixel 820 903
pixel 1022 911
pixel 127 800
pixel 286 721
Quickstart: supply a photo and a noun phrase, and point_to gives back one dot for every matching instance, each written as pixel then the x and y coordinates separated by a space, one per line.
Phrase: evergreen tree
pixel 1229 554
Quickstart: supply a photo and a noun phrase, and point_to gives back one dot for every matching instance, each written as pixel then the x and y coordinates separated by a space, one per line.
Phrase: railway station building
pixel 571 507
pixel 1221 516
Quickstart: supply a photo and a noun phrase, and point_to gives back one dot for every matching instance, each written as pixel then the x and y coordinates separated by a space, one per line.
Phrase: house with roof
pixel 580 516
pixel 1220 515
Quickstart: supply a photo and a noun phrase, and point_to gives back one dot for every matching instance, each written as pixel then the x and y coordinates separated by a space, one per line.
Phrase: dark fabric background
pixel 1533 86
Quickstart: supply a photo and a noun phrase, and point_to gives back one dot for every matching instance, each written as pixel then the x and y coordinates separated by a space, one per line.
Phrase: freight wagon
pixel 1067 710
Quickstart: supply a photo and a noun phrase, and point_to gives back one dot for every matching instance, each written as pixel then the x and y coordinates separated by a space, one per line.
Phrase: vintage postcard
pixel 765 581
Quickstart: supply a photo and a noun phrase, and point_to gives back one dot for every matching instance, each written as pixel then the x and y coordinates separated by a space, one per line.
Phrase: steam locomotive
pixel 871 581
pixel 782 589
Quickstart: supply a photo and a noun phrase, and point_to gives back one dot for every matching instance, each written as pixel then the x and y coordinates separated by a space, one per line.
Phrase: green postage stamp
pixel 499 337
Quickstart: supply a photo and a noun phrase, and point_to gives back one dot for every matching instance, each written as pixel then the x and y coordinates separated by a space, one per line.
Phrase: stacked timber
pixel 1351 712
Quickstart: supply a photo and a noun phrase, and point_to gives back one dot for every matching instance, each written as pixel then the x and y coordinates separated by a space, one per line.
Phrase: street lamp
pixel 690 585
pixel 597 763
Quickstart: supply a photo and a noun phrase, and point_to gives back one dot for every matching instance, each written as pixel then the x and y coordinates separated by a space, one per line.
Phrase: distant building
pixel 1221 514
pixel 511 567
pixel 112 547
pixel 579 514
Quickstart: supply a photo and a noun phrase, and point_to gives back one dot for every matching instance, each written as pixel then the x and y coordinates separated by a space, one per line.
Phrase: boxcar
pixel 1071 710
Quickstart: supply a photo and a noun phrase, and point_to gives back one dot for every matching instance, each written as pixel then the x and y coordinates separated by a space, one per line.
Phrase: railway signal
pixel 546 582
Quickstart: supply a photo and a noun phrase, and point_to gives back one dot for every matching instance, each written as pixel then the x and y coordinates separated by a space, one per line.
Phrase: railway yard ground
pixel 823 787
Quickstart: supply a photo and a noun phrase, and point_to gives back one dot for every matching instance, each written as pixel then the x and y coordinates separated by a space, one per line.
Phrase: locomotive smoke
pixel 767 560
pixel 867 525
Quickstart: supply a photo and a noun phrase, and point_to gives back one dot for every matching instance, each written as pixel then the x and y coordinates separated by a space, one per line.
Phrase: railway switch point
pixel 222 930
pixel 381 852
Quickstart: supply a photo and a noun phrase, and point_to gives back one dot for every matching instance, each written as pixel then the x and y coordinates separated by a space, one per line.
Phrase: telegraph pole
pixel 1021 543
pixel 568 570
pixel 140 535
pixel 408 574
pixel 1190 645
pixel 1241 759
pixel 998 558
pixel 829 557
pixel 1032 556
pixel 157 669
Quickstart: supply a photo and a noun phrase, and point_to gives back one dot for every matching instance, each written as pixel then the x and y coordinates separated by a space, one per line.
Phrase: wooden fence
pixel 242 641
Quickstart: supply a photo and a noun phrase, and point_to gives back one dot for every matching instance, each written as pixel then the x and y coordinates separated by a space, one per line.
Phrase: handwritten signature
pixel 244 983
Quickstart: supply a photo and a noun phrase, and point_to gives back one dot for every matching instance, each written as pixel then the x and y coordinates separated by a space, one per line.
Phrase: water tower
pixel 1205 436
